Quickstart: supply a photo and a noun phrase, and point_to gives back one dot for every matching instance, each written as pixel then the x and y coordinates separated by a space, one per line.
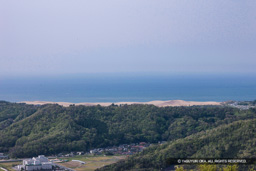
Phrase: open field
pixel 91 163
pixel 9 165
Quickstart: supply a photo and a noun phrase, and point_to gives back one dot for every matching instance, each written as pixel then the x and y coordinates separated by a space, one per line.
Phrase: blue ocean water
pixel 118 87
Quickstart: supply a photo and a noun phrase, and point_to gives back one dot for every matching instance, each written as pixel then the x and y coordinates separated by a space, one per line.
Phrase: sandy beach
pixel 156 103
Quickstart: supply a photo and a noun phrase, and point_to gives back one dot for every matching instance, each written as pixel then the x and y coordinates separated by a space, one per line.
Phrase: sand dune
pixel 156 103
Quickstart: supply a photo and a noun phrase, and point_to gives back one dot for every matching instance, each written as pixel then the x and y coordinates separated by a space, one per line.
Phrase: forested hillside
pixel 13 112
pixel 235 140
pixel 29 130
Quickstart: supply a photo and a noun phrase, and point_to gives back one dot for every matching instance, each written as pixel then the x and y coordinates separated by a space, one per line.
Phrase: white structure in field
pixel 2 156
pixel 36 163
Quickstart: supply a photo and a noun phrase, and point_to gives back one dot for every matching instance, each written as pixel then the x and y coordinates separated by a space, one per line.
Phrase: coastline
pixel 156 103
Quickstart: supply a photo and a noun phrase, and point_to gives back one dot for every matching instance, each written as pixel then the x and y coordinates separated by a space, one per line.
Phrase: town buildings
pixel 36 163
pixel 2 156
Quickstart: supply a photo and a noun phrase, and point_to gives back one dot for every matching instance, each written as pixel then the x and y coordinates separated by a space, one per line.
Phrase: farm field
pixel 9 165
pixel 91 163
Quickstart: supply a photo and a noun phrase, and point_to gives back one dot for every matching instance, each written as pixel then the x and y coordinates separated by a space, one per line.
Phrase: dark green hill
pixel 237 139
pixel 14 112
pixel 51 129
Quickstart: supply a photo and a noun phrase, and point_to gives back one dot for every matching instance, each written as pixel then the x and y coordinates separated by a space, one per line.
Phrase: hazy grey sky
pixel 45 37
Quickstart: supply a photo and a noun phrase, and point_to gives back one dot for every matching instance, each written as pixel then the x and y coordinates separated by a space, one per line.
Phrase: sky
pixel 46 37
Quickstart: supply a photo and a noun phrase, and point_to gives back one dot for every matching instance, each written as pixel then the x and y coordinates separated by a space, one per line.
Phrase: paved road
pixel 6 161
pixel 1 168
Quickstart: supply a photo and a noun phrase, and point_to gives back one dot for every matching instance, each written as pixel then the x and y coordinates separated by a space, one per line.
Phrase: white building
pixel 36 163
pixel 79 161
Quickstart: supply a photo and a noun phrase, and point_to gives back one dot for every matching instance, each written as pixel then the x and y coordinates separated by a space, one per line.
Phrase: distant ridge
pixel 156 103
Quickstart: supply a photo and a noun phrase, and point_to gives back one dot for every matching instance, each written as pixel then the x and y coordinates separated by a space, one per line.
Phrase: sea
pixel 128 87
